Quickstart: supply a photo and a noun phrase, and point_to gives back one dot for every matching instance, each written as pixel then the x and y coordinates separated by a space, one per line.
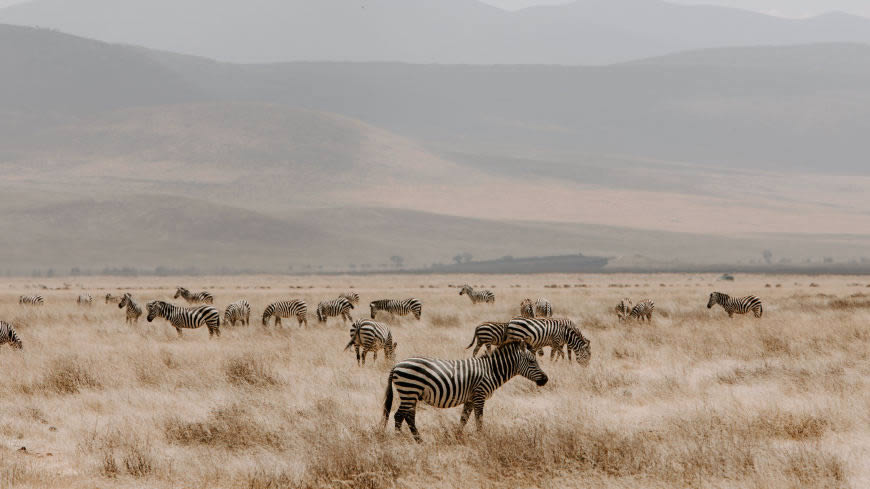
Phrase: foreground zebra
pixel 85 300
pixel 400 307
pixel 741 305
pixel 477 295
pixel 371 336
pixel 133 309
pixel 8 335
pixel 113 299
pixel 488 333
pixel 450 383
pixel 554 333
pixel 186 317
pixel 540 308
pixel 642 310
pixel 31 300
pixel 286 309
pixel 352 297
pixel 194 298
pixel 238 311
pixel 336 307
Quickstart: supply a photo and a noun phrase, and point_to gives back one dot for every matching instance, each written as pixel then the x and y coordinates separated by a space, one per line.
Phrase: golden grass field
pixel 692 400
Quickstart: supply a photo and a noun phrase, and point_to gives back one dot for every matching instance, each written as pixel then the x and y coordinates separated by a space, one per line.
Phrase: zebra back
pixel 8 335
pixel 352 297
pixel 551 332
pixel 295 307
pixel 34 300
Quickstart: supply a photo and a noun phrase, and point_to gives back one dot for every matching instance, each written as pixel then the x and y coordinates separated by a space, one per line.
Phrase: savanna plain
pixel 694 399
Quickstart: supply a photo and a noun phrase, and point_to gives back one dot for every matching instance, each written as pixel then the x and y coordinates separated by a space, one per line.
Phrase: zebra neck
pixel 502 368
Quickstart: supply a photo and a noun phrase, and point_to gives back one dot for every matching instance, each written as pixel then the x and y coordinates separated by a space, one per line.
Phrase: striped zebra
pixel 113 299
pixel 31 300
pixel 400 307
pixel 642 310
pixel 488 333
pixel 741 305
pixel 238 311
pixel 352 297
pixel 371 336
pixel 624 308
pixel 186 317
pixel 527 309
pixel 336 307
pixel 133 309
pixel 194 298
pixel 551 332
pixel 540 308
pixel 477 295
pixel 286 309
pixel 450 383
pixel 85 300
pixel 8 335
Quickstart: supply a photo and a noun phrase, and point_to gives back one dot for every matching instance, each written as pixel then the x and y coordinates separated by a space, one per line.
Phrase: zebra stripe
pixel 477 295
pixel 31 300
pixel 450 383
pixel 286 309
pixel 642 310
pixel 336 307
pixel 186 317
pixel 194 298
pixel 400 307
pixel 113 298
pixel 488 333
pixel 624 308
pixel 371 336
pixel 539 308
pixel 8 335
pixel 741 305
pixel 85 300
pixel 133 309
pixel 551 332
pixel 238 311
pixel 352 297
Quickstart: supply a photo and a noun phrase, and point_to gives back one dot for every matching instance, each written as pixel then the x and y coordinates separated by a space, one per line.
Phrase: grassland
pixel 692 400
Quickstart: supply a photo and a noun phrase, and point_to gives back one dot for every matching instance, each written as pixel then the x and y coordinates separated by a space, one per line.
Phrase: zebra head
pixel 124 300
pixel 373 309
pixel 526 362
pixel 581 346
pixel 155 308
pixel 16 344
pixel 623 308
pixel 181 292
pixel 715 298
pixel 527 309
pixel 466 289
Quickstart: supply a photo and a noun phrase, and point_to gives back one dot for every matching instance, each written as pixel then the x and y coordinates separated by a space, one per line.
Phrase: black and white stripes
pixel 85 300
pixel 538 309
pixel 551 332
pixel 740 305
pixel 8 335
pixel 640 311
pixel 186 317
pixel 133 309
pixel 353 297
pixel 371 336
pixel 238 311
pixel 284 309
pixel 31 300
pixel 477 296
pixel 194 297
pixel 488 333
pixel 336 307
pixel 398 307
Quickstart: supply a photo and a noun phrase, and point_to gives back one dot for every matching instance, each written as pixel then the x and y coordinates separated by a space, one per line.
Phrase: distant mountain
pixel 421 31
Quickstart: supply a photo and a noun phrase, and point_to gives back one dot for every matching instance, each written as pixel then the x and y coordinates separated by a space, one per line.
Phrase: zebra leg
pixel 463 420
pixel 406 407
pixel 277 321
pixel 178 330
pixel 375 358
pixel 364 353
pixel 412 424
pixel 479 400
pixel 356 347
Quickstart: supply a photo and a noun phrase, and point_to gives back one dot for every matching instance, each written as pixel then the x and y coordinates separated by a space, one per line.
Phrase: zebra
pixel 186 317
pixel 400 307
pixel 488 333
pixel 352 297
pixel 194 298
pixel 8 335
pixel 31 300
pixel 477 295
pixel 85 300
pixel 286 309
pixel 642 310
pixel 238 311
pixel 539 308
pixel 371 336
pixel 450 383
pixel 336 307
pixel 551 332
pixel 624 308
pixel 527 308
pixel 133 309
pixel 740 305
pixel 113 299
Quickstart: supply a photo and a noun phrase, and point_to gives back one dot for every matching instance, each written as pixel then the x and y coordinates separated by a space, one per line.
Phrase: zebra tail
pixel 349 344
pixel 388 400
pixel 473 339
pixel 760 310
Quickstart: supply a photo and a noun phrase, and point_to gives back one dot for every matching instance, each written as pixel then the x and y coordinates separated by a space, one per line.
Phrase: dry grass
pixel 692 400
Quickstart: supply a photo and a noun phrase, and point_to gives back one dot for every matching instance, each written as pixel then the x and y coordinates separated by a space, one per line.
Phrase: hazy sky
pixel 786 8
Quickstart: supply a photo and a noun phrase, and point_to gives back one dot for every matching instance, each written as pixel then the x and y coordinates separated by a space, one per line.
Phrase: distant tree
pixel 457 259
pixel 352 266
pixel 768 256
pixel 397 261
pixel 828 259
pixel 75 271
pixel 466 257
pixel 49 273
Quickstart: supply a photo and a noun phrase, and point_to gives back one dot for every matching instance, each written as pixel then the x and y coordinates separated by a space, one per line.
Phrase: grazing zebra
pixel 527 309
pixel 238 311
pixel 400 307
pixel 642 310
pixel 194 298
pixel 554 333
pixel 336 307
pixel 286 309
pixel 85 300
pixel 539 308
pixel 114 299
pixel 8 335
pixel 488 333
pixel 186 317
pixel 741 305
pixel 352 297
pixel 477 295
pixel 371 336
pixel 133 309
pixel 624 308
pixel 31 300
pixel 450 383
